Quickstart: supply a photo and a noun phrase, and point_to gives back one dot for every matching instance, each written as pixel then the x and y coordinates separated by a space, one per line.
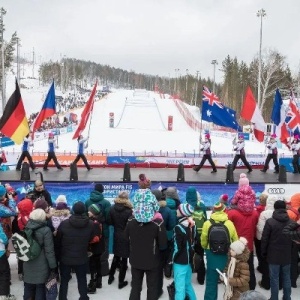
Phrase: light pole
pixel 186 83
pixel 214 62
pixel 196 92
pixel 261 13
pixel 2 13
pixel 175 85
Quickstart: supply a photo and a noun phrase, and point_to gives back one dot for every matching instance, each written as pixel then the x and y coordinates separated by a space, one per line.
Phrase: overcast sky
pixel 154 36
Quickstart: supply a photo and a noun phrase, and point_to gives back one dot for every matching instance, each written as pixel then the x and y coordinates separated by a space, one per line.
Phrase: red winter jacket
pixel 245 224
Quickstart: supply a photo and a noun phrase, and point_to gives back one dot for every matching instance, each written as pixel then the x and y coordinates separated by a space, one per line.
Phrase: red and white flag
pixel 251 113
pixel 86 113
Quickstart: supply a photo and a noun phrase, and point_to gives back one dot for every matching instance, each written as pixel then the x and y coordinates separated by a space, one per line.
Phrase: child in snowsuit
pixel 237 270
pixel 183 253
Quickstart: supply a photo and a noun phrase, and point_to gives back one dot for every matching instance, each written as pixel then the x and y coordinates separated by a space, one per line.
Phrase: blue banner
pixel 210 193
pixel 125 159
pixel 5 142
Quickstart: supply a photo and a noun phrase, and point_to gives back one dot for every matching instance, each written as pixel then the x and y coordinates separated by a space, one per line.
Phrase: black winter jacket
pixel 292 231
pixel 275 246
pixel 118 217
pixel 146 241
pixel 72 240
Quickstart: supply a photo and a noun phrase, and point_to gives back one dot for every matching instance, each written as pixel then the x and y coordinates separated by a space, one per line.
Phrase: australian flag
pixel 214 111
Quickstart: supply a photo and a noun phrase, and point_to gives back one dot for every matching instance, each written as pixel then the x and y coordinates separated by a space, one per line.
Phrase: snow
pixel 140 118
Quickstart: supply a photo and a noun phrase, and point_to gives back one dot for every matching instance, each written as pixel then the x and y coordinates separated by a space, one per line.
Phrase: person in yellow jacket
pixel 215 240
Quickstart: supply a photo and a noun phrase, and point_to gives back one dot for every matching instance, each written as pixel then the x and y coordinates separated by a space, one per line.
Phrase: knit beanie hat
pixel 243 180
pixel 25 206
pixel 61 199
pixel 280 204
pixel 38 215
pixel 239 246
pixel 99 187
pixel 144 182
pixel 79 208
pixel 219 207
pixel 191 196
pixel 157 194
pixel 171 192
pixel 2 190
pixel 40 203
pixel 95 209
pixel 224 199
pixel 185 209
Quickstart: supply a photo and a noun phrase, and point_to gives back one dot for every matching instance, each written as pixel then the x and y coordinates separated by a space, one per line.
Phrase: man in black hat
pixel 73 237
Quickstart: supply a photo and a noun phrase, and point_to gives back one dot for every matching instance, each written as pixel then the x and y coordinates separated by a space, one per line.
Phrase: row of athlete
pixel 52 145
pixel 239 148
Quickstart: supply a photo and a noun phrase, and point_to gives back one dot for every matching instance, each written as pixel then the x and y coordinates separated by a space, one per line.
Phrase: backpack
pixel 26 246
pixel 218 237
pixel 199 219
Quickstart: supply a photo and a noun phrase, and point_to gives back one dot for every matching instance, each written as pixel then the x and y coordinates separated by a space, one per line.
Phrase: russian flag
pixel 48 109
pixel 250 112
pixel 278 117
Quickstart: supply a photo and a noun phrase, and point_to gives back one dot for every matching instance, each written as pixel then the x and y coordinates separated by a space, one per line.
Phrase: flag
pixel 251 113
pixel 13 122
pixel 293 114
pixel 214 111
pixel 278 117
pixel 47 110
pixel 86 113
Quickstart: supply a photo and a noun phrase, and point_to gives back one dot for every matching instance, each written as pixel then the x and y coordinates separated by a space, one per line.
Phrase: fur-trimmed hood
pixel 60 212
pixel 123 201
pixel 162 203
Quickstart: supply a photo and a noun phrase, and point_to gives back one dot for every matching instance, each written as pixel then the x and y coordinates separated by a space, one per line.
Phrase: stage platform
pixel 101 174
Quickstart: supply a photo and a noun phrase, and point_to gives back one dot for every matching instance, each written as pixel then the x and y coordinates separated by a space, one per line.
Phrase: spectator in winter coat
pixel 147 238
pixel 96 197
pixel 170 221
pixel 4 268
pixel 262 203
pixel 199 216
pixel 245 219
pixel 119 215
pixel 276 247
pixel 7 210
pixel 183 252
pixel 96 247
pixel 39 192
pixel 215 261
pixel 262 262
pixel 293 231
pixel 72 241
pixel 60 213
pixel 293 212
pixel 37 271
pixel 237 270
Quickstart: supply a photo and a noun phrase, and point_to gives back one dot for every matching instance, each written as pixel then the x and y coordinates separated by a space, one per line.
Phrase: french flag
pixel 250 112
pixel 48 109
pixel 278 118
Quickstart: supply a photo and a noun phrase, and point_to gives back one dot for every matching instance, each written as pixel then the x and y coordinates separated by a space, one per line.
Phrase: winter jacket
pixel 172 204
pixel 169 218
pixel 276 246
pixel 73 238
pixel 292 231
pixel 295 204
pixel 25 207
pixel 265 215
pixel 6 211
pixel 3 241
pixel 36 271
pixel 184 240
pixel 218 217
pixel 59 215
pixel 241 275
pixel 146 241
pixel 44 194
pixel 97 245
pixel 245 224
pixel 244 198
pixel 97 198
pixel 118 218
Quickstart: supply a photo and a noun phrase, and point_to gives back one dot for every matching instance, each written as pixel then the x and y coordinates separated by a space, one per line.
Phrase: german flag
pixel 13 122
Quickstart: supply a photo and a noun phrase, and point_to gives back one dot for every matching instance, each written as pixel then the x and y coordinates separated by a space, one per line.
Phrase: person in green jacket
pixel 215 260
pixel 96 197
